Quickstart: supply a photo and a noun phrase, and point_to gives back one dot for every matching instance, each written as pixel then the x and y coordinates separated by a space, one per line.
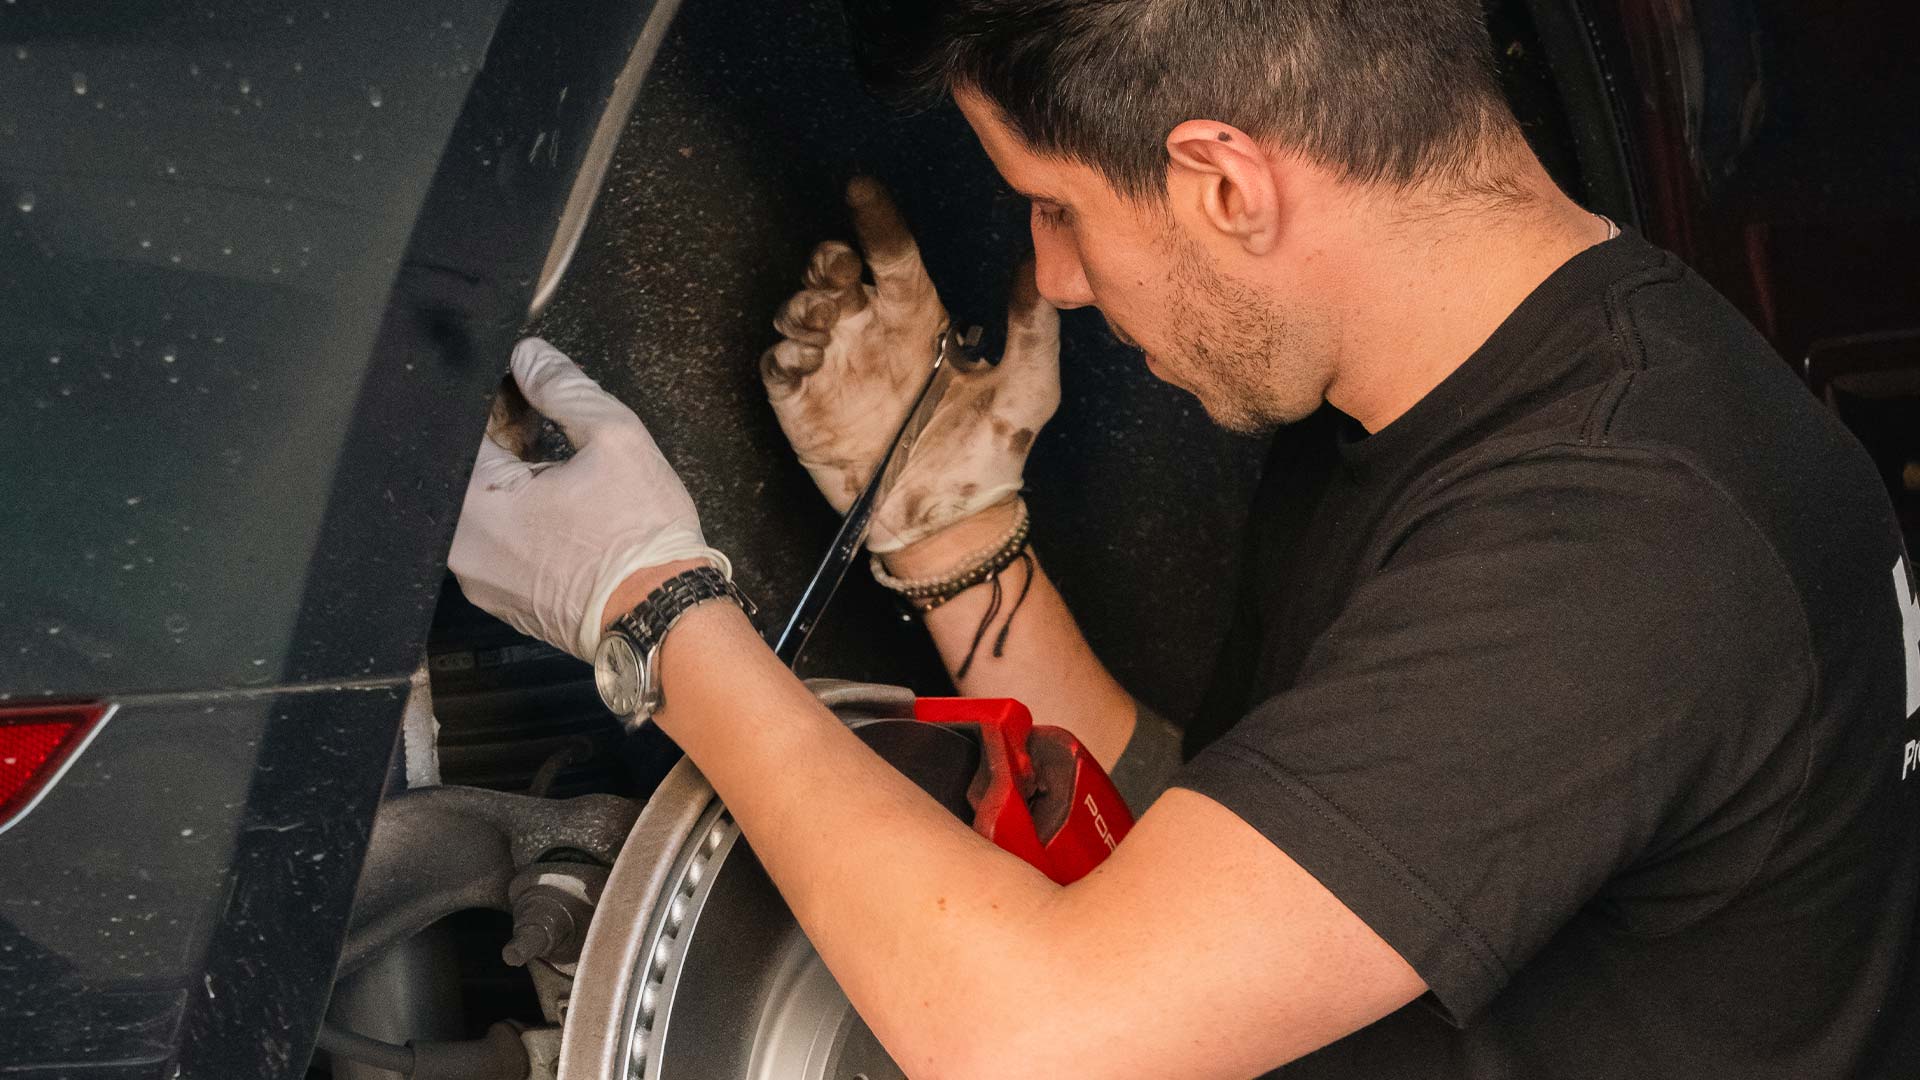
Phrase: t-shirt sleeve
pixel 1564 668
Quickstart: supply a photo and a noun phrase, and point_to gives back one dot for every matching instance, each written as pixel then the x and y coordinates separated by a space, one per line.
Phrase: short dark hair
pixel 1398 91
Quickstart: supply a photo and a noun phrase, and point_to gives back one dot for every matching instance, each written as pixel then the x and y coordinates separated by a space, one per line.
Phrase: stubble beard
pixel 1250 365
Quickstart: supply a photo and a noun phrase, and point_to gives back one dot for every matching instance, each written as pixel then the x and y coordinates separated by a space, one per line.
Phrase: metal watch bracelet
pixel 626 666
pixel 647 624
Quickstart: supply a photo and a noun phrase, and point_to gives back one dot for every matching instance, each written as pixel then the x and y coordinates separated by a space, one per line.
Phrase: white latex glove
pixel 544 546
pixel 854 355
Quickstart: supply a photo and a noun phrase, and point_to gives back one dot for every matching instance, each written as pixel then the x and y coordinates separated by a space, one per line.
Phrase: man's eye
pixel 1053 217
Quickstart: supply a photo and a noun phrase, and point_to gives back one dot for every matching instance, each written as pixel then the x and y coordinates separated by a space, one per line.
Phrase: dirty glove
pixel 854 355
pixel 543 546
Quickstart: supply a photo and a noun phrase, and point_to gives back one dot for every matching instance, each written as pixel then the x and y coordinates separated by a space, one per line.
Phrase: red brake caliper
pixel 1038 793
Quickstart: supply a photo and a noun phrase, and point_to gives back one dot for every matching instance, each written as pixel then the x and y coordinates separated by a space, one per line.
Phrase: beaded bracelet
pixel 977 568
pixel 983 567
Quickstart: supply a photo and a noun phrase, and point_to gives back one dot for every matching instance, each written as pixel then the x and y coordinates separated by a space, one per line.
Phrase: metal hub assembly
pixel 694 968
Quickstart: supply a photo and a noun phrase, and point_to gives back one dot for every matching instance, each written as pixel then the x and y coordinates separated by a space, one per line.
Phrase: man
pixel 1578 679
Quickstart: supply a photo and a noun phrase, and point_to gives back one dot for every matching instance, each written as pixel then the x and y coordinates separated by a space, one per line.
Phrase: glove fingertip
pixel 530 355
pixel 536 365
pixel 1033 340
pixel 1029 314
pixel 834 266
pixel 779 381
pixel 497 469
pixel 1025 291
pixel 808 316
pixel 785 366
pixel 892 253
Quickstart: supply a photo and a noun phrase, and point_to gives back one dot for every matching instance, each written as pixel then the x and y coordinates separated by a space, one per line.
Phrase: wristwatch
pixel 626 665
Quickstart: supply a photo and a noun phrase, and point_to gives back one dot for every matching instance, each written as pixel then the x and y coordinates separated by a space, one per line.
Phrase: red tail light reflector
pixel 37 743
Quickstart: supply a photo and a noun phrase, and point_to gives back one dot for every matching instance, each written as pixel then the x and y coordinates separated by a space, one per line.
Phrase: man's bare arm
pixel 1046 663
pixel 967 962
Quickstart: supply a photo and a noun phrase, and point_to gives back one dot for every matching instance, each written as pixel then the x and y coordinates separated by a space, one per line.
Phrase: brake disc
pixel 694 968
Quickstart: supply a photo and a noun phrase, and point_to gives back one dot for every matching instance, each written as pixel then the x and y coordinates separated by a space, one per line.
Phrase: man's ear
pixel 1221 174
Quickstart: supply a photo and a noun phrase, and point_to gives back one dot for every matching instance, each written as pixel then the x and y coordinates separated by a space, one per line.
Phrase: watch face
pixel 619 674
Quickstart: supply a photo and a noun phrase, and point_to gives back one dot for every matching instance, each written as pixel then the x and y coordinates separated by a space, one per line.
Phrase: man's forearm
pixel 919 918
pixel 1046 664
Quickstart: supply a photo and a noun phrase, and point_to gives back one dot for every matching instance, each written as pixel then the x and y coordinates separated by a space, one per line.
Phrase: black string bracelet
pixel 993 608
pixel 984 568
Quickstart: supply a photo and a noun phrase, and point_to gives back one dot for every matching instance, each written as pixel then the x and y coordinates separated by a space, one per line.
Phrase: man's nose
pixel 1057 270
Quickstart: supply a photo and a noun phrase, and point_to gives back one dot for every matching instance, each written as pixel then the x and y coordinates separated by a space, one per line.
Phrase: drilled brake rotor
pixel 694 968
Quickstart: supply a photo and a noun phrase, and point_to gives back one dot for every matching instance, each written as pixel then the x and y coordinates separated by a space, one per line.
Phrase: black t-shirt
pixel 1589 684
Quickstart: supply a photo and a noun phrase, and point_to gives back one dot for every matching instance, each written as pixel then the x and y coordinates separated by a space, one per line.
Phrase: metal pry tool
pixel 852 535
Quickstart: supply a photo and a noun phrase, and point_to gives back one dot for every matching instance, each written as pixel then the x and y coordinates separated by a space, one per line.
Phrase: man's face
pixel 1161 288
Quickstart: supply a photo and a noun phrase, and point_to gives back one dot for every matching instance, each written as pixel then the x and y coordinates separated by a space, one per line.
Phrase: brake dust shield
pixel 694 968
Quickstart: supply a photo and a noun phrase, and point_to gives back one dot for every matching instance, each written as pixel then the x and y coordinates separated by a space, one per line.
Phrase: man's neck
pixel 1437 287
